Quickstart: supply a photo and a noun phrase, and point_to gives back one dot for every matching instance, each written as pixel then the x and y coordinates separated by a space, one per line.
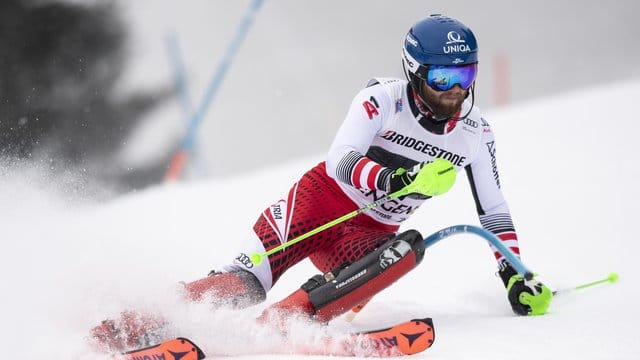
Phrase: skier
pixel 395 132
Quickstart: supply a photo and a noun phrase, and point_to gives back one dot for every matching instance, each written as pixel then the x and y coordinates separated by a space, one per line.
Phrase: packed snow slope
pixel 568 168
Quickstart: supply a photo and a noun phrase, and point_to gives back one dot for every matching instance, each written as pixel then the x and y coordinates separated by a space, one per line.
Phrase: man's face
pixel 444 104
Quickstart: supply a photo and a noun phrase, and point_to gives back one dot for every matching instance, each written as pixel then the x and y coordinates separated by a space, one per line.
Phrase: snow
pixel 568 170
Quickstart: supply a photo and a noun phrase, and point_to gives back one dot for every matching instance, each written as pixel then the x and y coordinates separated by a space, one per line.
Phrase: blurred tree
pixel 59 63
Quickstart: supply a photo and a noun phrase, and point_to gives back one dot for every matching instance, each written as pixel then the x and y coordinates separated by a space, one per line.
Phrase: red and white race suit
pixel 384 130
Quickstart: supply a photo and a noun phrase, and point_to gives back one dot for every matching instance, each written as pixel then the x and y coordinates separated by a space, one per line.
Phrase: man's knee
pixel 326 296
pixel 237 289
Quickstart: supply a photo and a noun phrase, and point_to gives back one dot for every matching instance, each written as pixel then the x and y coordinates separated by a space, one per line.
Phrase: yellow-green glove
pixel 527 297
pixel 428 179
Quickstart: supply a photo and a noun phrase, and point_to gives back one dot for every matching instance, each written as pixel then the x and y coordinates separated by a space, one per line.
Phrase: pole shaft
pixel 333 223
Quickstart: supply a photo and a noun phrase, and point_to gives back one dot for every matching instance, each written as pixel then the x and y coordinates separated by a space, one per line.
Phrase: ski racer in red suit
pixel 394 130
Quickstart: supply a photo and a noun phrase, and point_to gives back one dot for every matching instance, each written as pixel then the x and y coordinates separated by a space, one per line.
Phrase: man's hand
pixel 527 297
pixel 434 178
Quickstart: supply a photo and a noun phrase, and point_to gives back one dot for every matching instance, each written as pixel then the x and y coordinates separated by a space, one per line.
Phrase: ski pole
pixel 611 278
pixel 422 184
pixel 256 258
pixel 465 229
pixel 354 311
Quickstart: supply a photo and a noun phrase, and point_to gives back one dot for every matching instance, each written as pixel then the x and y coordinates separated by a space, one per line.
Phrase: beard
pixel 443 104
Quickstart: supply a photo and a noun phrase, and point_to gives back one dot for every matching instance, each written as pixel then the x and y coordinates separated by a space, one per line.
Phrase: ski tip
pixel 415 336
pixel 199 354
pixel 407 338
pixel 178 348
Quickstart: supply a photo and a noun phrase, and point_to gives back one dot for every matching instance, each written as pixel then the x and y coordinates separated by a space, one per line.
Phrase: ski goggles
pixel 444 77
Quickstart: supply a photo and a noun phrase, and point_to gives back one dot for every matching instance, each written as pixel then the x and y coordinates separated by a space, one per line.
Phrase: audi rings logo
pixel 454 38
pixel 245 260
pixel 471 123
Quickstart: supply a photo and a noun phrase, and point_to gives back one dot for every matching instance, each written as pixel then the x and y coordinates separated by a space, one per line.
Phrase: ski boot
pixel 132 330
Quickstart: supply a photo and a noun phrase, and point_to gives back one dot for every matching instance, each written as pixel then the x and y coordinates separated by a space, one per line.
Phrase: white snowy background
pixel 567 162
pixel 301 62
pixel 568 168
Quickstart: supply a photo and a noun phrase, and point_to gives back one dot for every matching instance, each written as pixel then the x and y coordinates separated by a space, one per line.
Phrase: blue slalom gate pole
pixel 180 158
pixel 484 234
pixel 177 70
pixel 488 236
pixel 181 88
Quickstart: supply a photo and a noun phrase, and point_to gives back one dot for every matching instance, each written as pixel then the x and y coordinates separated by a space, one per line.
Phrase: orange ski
pixel 410 337
pixel 176 349
pixel 407 338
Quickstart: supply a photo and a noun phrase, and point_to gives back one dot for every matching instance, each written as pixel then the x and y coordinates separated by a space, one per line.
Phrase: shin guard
pixel 324 297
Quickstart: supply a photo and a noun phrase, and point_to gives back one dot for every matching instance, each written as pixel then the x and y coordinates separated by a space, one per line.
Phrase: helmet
pixel 437 40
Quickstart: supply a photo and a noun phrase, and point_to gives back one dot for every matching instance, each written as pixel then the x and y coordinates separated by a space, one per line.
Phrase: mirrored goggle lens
pixel 443 78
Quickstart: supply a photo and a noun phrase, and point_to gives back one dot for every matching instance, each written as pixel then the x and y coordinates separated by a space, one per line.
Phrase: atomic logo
pixel 412 41
pixel 411 338
pixel 178 355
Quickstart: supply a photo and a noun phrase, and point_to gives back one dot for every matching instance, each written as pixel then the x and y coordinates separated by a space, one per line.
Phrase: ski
pixel 407 338
pixel 175 349
pixel 410 337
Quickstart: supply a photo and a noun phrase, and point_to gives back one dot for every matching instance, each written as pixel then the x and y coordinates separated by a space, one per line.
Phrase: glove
pixel 430 179
pixel 527 297
pixel 403 177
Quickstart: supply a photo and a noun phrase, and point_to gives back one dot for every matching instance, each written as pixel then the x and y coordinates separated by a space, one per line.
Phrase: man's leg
pixel 237 289
pixel 312 202
pixel 327 296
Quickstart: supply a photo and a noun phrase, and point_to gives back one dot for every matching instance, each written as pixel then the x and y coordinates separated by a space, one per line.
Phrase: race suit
pixel 385 129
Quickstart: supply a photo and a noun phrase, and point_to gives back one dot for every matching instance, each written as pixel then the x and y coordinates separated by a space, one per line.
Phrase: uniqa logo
pixel 456 48
pixel 455 43
pixel 454 38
